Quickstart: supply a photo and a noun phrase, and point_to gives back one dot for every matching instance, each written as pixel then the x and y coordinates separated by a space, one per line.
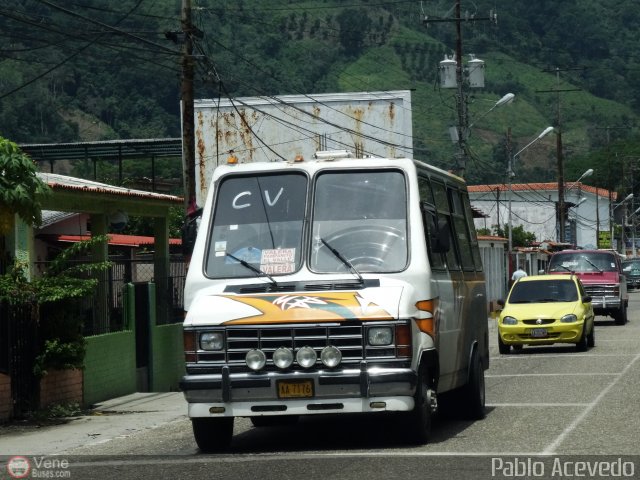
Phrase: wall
pixel 61 386
pixel 167 357
pixel 110 366
pixel 493 253
pixel 5 397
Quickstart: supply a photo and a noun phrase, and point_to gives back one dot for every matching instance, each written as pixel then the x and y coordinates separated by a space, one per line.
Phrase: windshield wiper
pixel 343 259
pixel 256 270
pixel 561 266
pixel 592 264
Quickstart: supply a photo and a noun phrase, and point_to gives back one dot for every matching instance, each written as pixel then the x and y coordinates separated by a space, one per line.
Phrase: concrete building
pixel 534 206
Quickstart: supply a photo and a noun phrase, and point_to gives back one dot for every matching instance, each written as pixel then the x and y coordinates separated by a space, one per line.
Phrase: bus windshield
pixel 257 225
pixel 360 216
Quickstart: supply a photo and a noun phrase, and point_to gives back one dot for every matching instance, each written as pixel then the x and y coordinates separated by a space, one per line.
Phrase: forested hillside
pixel 84 70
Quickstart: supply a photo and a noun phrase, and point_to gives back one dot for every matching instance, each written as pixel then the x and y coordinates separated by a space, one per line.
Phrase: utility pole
pixel 461 95
pixel 561 211
pixel 186 96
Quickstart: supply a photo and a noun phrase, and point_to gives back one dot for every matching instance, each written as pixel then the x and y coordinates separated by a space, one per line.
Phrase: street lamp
pixel 510 174
pixel 506 99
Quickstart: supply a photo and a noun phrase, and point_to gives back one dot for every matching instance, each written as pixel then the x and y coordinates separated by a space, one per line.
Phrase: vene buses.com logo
pixel 18 467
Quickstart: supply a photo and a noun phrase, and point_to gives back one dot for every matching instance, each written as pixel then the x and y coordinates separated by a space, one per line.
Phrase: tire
pixel 212 434
pixel 583 343
pixel 474 397
pixel 274 420
pixel 503 348
pixel 419 420
pixel 591 338
pixel 620 316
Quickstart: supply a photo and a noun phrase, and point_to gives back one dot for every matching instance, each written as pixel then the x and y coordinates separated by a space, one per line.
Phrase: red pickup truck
pixel 601 274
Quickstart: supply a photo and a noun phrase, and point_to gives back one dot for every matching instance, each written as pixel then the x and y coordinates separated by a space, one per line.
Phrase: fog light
pixel 331 356
pixel 306 357
pixel 283 357
pixel 255 359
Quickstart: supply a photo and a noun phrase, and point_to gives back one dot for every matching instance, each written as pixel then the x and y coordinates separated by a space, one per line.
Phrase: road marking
pixel 552 375
pixel 551 448
pixel 543 355
pixel 520 404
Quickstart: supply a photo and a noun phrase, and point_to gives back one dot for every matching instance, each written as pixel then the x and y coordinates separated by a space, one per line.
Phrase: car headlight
pixel 509 321
pixel 212 341
pixel 283 357
pixel 255 359
pixel 380 336
pixel 569 318
pixel 306 357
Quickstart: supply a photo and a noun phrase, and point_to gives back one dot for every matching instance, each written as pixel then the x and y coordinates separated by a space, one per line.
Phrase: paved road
pixel 543 404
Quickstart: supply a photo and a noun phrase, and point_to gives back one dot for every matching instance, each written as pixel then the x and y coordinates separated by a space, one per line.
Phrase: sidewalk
pixel 119 417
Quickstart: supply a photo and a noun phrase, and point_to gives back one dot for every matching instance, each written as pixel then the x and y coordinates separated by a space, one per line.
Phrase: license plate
pixel 538 332
pixel 295 388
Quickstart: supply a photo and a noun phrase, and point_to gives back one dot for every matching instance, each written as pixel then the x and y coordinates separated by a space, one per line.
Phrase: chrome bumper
pixel 365 382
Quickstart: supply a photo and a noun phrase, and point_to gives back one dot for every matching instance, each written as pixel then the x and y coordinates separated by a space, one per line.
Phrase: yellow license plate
pixel 295 388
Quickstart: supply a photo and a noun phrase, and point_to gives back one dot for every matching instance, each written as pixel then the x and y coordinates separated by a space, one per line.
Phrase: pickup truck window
pixel 583 262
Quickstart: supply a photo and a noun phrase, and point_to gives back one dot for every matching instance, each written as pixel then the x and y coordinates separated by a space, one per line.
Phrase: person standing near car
pixel 517 275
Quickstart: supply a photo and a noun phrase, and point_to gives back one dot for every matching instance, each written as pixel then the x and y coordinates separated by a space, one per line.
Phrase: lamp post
pixel 562 214
pixel 624 201
pixel 633 232
pixel 510 174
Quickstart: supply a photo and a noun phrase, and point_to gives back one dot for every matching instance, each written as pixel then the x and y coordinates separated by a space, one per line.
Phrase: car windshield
pixel 583 262
pixel 544 291
pixel 631 266
pixel 257 225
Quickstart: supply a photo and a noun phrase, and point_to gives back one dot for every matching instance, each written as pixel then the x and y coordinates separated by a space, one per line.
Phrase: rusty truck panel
pixel 280 128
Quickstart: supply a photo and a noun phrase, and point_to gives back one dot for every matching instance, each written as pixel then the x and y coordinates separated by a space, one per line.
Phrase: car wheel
pixel 212 434
pixel 620 316
pixel 274 420
pixel 419 420
pixel 591 338
pixel 474 391
pixel 583 343
pixel 503 348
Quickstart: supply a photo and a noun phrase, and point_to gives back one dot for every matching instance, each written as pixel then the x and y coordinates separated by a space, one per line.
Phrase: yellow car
pixel 546 309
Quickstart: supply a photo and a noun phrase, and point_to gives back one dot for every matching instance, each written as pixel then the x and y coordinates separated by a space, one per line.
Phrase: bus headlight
pixel 211 341
pixel 380 336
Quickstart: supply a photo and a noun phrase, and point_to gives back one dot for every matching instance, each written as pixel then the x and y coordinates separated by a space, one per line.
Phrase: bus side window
pixel 462 234
pixel 444 208
pixel 473 236
pixel 436 238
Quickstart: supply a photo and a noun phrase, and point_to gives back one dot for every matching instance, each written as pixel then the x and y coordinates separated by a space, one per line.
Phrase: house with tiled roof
pixel 132 335
pixel 534 206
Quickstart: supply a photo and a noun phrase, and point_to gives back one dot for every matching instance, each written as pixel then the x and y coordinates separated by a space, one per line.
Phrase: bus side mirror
pixel 189 232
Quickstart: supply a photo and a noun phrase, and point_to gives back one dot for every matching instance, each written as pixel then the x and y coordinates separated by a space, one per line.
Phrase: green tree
pixel 21 191
pixel 354 28
pixel 519 236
